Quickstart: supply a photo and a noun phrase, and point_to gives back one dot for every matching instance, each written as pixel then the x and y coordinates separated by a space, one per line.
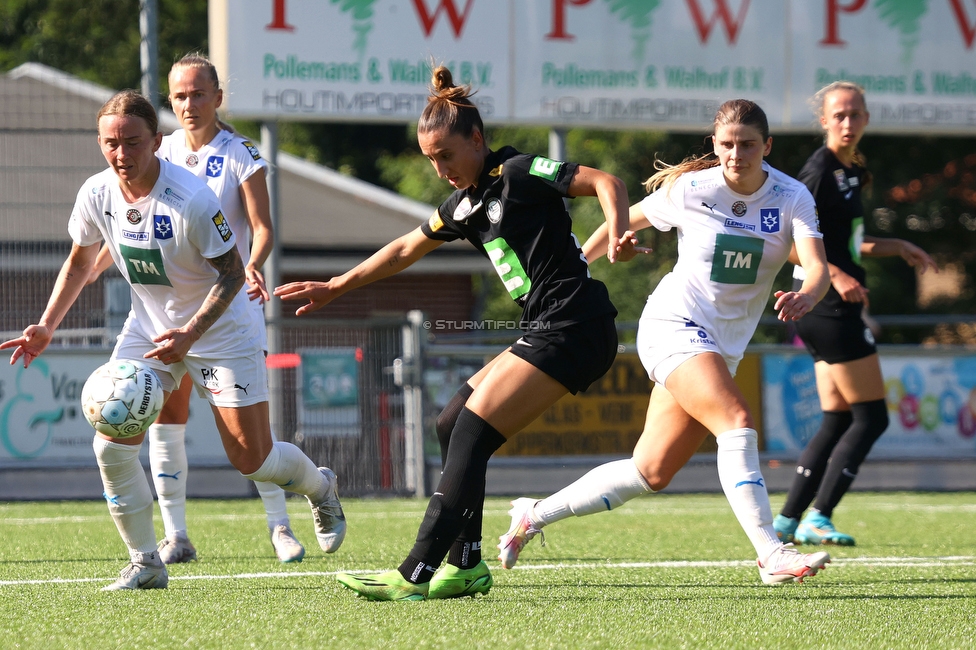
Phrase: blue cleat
pixel 785 528
pixel 818 529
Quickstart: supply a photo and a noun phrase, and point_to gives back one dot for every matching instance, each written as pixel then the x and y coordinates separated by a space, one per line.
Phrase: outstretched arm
pixel 71 280
pixel 792 305
pixel 890 246
pixel 389 260
pixel 175 343
pixel 626 248
pixel 613 199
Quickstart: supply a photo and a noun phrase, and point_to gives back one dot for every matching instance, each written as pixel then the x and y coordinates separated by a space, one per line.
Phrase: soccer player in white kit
pixel 169 238
pixel 737 220
pixel 235 171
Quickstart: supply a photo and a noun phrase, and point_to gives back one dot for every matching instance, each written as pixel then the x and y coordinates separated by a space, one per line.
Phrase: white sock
pixel 127 494
pixel 167 460
pixel 273 498
pixel 286 466
pixel 744 487
pixel 603 488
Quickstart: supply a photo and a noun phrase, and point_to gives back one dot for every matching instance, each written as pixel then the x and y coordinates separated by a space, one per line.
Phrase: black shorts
pixel 574 355
pixel 836 339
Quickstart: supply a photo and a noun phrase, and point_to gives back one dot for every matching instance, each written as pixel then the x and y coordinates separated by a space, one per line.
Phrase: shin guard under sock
pixel 127 493
pixel 742 482
pixel 167 461
pixel 813 462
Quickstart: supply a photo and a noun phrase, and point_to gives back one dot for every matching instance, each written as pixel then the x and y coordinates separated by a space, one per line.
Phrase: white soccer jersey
pixel 730 248
pixel 161 245
pixel 226 162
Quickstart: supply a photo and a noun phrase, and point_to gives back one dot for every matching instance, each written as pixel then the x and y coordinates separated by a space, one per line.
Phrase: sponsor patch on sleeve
pixel 545 168
pixel 435 222
pixel 222 226
pixel 251 149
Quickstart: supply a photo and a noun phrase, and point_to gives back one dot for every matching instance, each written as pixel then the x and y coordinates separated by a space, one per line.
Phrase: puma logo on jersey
pixel 711 207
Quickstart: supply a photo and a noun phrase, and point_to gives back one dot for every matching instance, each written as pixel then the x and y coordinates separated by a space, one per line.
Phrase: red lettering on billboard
pixel 968 31
pixel 559 19
pixel 722 12
pixel 834 8
pixel 428 19
pixel 278 17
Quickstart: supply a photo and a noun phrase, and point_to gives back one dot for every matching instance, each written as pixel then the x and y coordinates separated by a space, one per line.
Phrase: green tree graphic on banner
pixel 638 14
pixel 904 16
pixel 362 16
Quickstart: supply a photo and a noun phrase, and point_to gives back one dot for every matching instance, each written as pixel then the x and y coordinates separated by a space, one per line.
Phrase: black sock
pixel 870 421
pixel 447 419
pixel 458 497
pixel 813 461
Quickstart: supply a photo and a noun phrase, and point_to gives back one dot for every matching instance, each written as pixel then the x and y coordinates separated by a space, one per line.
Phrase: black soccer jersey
pixel 516 217
pixel 837 191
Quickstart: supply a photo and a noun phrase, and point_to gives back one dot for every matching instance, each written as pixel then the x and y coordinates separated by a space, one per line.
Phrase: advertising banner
pixel 605 63
pixel 931 405
pixel 41 423
pixel 329 392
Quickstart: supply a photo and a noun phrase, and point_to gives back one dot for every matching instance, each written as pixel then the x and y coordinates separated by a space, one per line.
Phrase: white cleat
pixel 146 571
pixel 176 550
pixel 330 521
pixel 786 564
pixel 286 546
pixel 522 531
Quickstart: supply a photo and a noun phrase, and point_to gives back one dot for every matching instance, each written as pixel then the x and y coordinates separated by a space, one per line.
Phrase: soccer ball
pixel 122 398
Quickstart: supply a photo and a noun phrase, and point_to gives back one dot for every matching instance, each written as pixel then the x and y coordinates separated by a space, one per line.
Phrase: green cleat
pixel 817 529
pixel 785 528
pixel 384 586
pixel 452 582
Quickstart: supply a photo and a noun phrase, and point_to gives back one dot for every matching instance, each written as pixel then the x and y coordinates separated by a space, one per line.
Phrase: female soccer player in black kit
pixel 848 372
pixel 509 205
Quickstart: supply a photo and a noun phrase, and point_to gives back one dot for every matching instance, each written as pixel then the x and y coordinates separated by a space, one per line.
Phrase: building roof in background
pixel 328 221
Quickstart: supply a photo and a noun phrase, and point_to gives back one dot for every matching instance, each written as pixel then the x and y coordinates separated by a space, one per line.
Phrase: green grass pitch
pixel 665 571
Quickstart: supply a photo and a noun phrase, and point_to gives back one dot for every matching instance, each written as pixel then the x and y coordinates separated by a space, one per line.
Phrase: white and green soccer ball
pixel 122 398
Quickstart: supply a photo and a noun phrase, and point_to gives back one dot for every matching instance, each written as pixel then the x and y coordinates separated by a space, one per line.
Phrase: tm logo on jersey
pixel 144 265
pixel 769 219
pixel 736 259
pixel 545 168
pixel 215 166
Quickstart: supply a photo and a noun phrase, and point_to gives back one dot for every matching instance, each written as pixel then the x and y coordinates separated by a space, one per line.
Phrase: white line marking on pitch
pixel 955 560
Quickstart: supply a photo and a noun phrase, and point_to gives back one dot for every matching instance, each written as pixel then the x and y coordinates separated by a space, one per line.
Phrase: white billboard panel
pixel 608 63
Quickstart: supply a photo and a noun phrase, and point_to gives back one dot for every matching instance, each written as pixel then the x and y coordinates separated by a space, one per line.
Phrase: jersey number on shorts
pixel 145 265
pixel 736 259
pixel 508 267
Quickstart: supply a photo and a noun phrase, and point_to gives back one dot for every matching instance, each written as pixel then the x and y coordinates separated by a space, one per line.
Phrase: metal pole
pixel 148 51
pixel 272 272
pixel 411 367
pixel 557 144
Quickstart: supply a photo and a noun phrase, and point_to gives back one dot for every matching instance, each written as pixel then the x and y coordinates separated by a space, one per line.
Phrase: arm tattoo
pixel 230 279
pixel 394 260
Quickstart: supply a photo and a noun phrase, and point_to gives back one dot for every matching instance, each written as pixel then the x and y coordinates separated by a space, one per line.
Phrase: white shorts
pixel 228 382
pixel 663 345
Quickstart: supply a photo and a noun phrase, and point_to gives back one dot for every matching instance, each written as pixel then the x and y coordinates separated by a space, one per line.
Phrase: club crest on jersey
pixel 841 179
pixel 494 210
pixel 215 166
pixel 739 208
pixel 162 226
pixel 222 226
pixel 769 219
pixel 192 160
pixel 251 149
pixel 463 209
pixel 133 216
